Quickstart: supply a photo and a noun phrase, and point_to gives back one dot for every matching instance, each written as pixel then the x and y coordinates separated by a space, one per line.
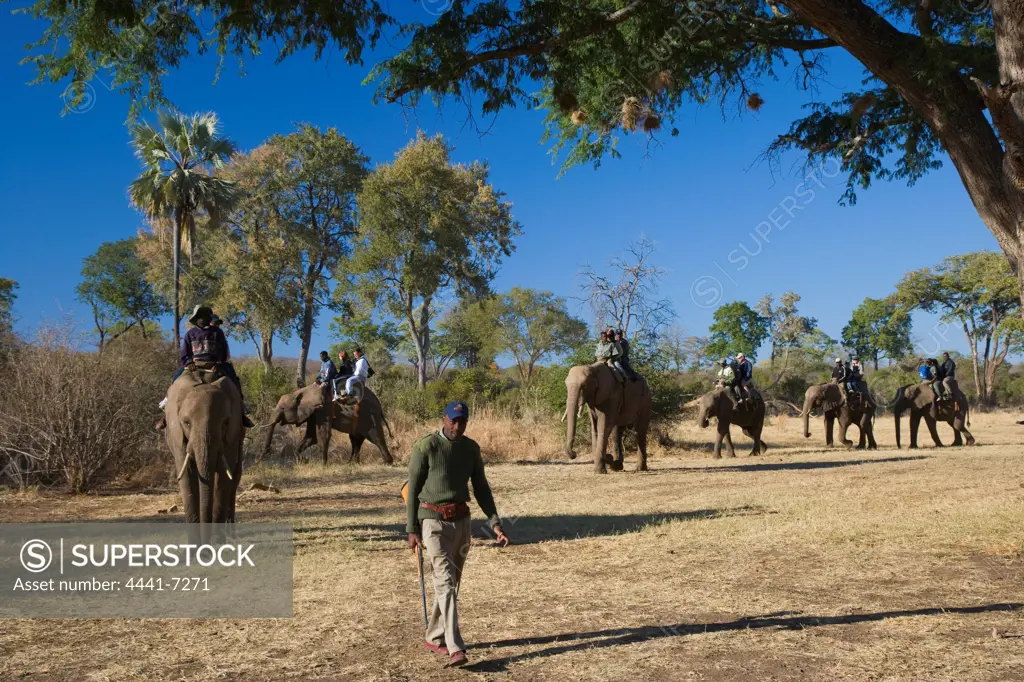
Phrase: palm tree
pixel 178 181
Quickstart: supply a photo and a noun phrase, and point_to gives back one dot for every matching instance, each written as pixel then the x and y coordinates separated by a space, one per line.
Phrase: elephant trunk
pixel 270 431
pixel 572 399
pixel 207 460
pixel 897 411
pixel 702 419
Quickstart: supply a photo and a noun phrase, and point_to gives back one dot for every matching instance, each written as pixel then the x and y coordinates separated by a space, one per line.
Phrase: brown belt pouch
pixel 449 512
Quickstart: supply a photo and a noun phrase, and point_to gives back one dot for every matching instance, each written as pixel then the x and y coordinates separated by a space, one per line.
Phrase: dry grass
pixel 802 564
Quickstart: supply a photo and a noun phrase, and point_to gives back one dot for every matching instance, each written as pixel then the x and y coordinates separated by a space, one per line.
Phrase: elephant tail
pixel 385 420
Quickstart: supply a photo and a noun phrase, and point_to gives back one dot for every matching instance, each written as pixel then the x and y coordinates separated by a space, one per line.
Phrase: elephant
pixel 721 404
pixel 828 397
pixel 613 406
pixel 918 399
pixel 205 435
pixel 314 407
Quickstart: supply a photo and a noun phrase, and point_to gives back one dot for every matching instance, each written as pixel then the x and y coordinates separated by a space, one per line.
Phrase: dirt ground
pixel 801 564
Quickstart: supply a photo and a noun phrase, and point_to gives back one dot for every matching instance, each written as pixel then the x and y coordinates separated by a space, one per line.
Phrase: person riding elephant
pixel 855 383
pixel 718 403
pixel 613 408
pixel 608 352
pixel 345 370
pixel 328 372
pixel 355 385
pixel 205 343
pixel 744 377
pixel 726 375
pixel 623 363
pixel 948 370
pixel 313 408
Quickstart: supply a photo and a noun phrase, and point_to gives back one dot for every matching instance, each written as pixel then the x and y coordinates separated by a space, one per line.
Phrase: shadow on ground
pixel 527 530
pixel 800 466
pixel 784 620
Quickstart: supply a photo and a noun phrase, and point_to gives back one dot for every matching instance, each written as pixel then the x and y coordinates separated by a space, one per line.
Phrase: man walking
pixel 440 468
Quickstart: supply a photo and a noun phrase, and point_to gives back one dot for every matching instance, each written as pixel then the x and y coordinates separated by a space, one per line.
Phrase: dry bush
pixel 74 418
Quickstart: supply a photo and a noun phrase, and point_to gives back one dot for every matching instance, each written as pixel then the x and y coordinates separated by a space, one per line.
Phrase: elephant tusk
pixel 184 466
pixel 565 412
pixel 227 470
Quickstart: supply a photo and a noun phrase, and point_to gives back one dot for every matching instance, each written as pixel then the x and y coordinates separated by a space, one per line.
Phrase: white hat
pixel 839 359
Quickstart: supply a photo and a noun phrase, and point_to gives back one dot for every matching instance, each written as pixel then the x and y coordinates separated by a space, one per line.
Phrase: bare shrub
pixel 74 418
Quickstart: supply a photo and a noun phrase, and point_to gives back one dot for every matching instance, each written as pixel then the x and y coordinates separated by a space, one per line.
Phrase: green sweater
pixel 439 473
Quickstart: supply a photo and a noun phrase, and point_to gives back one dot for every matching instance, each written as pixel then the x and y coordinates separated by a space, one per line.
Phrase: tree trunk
pixel 176 241
pixel 267 352
pixel 994 180
pixel 305 335
pixel 420 333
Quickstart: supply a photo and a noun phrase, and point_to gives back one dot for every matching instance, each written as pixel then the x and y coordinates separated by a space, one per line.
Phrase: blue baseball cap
pixel 456 410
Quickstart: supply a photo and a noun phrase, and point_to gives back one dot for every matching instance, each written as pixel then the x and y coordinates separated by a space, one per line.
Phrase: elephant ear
pixel 307 402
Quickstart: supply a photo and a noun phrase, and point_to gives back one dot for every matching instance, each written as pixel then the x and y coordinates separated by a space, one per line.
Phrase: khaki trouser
pixel 447 545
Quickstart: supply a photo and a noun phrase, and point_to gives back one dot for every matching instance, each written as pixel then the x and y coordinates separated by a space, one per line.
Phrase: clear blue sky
pixel 699 196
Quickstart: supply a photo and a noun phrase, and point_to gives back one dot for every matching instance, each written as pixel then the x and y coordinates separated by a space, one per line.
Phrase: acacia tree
pixel 626 294
pixel 786 328
pixel 533 325
pixel 940 75
pixel 878 328
pixel 978 290
pixel 428 227
pixel 114 285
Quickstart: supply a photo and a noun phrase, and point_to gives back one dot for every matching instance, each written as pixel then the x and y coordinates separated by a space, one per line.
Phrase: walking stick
pixel 419 561
pixel 423 590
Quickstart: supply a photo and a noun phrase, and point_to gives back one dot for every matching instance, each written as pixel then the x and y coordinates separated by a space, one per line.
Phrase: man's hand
pixel 414 541
pixel 503 540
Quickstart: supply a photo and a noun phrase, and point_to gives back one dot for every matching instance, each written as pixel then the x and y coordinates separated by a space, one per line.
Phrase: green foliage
pixel 114 284
pixel 666 391
pixel 978 293
pixel 737 328
pixel 878 328
pixel 178 181
pixel 786 327
pixel 136 44
pixel 428 227
pixel 477 387
pixel 533 325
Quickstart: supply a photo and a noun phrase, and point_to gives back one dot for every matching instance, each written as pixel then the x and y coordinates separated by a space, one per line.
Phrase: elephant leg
pixel 932 430
pixel 728 442
pixel 376 436
pixel 961 428
pixel 603 431
pixel 617 463
pixel 958 440
pixel 356 441
pixel 915 424
pixel 323 429
pixel 719 436
pixel 844 424
pixel 830 421
pixel 869 430
pixel 641 446
pixel 188 488
pixel 309 440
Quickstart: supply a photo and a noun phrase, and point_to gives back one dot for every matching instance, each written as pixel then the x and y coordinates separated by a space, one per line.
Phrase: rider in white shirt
pixel 361 373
